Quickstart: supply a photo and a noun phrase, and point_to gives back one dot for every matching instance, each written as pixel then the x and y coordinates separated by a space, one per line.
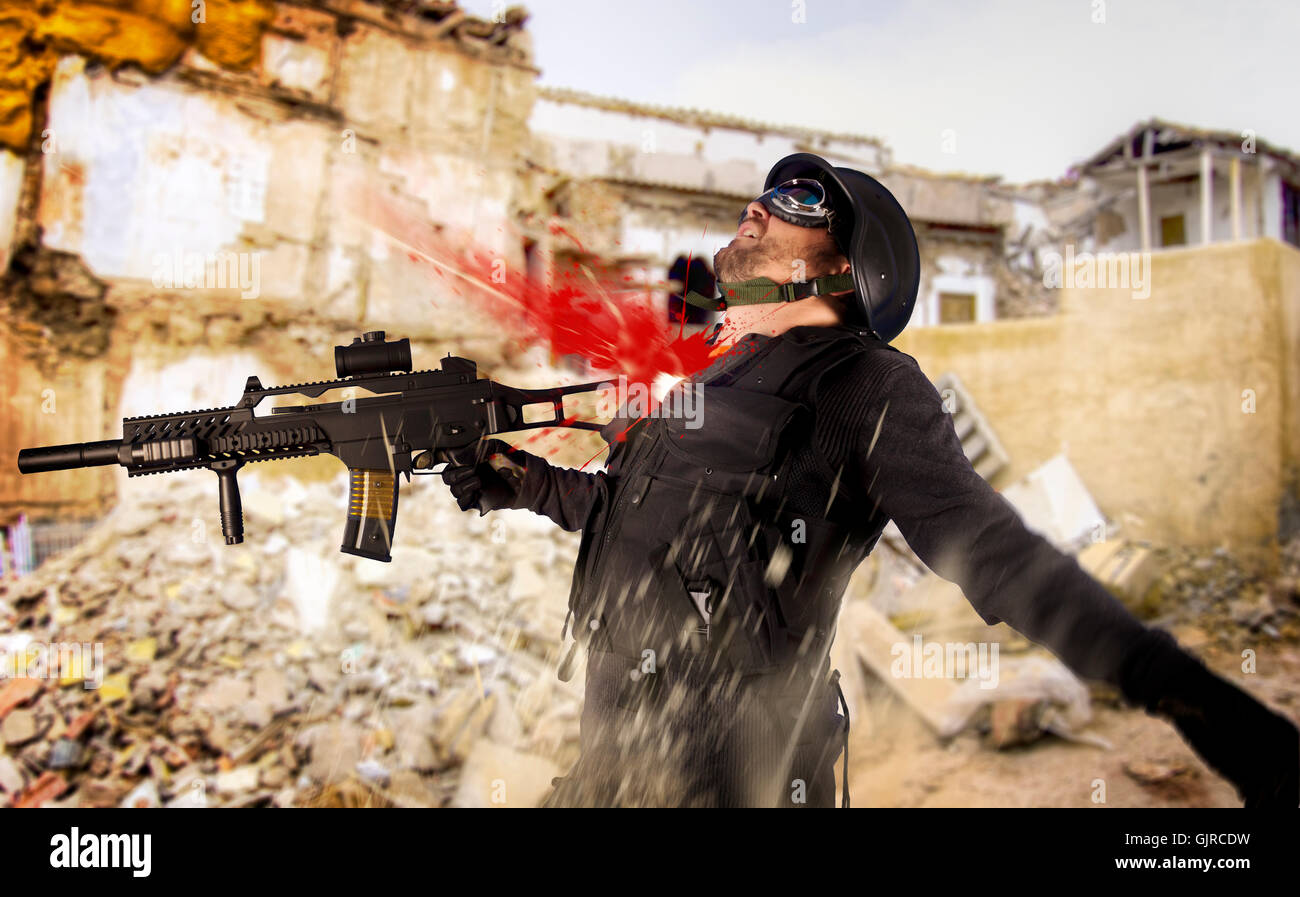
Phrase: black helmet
pixel 874 234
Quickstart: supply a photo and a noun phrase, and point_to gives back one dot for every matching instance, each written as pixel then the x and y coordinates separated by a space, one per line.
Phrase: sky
pixel 1016 88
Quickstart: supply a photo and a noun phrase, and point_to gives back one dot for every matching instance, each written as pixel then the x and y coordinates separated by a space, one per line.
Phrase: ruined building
pixel 181 201
pixel 1163 185
pixel 649 183
pixel 189 195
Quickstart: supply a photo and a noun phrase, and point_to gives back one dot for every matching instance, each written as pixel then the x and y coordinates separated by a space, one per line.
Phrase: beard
pixel 745 258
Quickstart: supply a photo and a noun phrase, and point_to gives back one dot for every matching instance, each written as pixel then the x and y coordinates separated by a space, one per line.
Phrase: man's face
pixel 766 246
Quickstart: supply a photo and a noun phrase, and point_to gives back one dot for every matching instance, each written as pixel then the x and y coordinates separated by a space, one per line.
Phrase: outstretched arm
pixel 914 470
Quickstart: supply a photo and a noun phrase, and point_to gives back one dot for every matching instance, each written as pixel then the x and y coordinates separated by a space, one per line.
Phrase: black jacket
pixel 881 424
pixel 882 448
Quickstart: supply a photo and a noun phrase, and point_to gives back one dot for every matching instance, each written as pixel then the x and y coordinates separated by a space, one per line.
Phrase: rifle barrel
pixel 68 457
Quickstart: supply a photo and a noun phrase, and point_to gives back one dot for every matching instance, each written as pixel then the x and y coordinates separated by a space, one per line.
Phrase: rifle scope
pixel 370 353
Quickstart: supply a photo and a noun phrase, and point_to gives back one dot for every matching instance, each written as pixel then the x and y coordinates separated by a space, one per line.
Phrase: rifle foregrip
pixel 68 457
pixel 372 514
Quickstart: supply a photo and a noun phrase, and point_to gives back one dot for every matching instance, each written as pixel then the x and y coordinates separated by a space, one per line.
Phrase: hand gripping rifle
pixel 409 425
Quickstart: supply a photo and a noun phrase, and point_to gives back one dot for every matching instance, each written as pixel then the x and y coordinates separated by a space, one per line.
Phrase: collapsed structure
pixel 184 203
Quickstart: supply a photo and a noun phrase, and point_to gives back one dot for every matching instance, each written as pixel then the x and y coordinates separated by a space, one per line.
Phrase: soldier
pixel 713 559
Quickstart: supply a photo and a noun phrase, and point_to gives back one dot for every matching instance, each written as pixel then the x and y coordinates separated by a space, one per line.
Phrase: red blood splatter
pixel 585 312
pixel 556 229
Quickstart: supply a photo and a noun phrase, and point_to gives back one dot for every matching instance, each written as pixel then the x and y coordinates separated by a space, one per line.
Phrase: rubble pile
pixel 1210 598
pixel 155 665
pixel 184 672
pixel 1209 601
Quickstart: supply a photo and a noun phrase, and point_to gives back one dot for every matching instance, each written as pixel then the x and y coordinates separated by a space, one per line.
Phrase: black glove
pixel 486 476
pixel 1241 739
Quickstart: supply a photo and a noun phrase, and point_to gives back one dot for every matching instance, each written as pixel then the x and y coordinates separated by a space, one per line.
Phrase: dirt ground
pixel 895 761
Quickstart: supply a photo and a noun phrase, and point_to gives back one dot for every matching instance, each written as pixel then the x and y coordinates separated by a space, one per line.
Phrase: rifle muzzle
pixel 68 457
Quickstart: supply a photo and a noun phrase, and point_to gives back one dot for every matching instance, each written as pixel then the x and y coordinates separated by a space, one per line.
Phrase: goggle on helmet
pixel 800 201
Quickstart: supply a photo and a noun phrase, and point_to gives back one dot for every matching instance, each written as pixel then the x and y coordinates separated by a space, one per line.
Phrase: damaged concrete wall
pixel 608 138
pixel 262 178
pixel 657 183
pixel 956 265
pixel 1178 410
pixel 641 185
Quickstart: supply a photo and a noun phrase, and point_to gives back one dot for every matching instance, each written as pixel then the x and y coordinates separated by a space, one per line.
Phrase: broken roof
pixel 434 19
pixel 1171 136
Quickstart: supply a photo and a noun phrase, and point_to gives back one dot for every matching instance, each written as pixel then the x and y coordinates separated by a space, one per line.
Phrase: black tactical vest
pixel 697 553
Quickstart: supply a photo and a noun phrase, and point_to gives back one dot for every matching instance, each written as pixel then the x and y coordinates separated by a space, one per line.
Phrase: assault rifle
pixel 410 424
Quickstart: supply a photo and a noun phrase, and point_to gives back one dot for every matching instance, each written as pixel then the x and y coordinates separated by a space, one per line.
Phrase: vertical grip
pixel 232 509
pixel 372 514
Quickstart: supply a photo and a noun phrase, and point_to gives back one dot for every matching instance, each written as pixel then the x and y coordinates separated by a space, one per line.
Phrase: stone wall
pixel 1152 398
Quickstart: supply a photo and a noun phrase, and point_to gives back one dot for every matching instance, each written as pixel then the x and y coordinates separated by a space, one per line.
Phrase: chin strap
pixel 762 290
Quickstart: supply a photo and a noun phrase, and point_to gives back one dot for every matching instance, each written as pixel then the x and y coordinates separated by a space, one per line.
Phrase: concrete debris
pixel 958 685
pixel 220 679
pixel 143 797
pixel 1029 697
pixel 1209 601
pixel 1054 503
pixel 1167 779
pixel 236 781
pixel 19 727
pixel 1212 599
pixel 229 676
pixel 11 778
pixel 876 643
pixel 1154 773
pixel 498 776
pixel 1127 569
pixel 65 754
pixel 1015 722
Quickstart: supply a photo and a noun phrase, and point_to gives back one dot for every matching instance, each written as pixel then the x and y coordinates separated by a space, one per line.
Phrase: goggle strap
pixel 751 293
pixel 699 300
